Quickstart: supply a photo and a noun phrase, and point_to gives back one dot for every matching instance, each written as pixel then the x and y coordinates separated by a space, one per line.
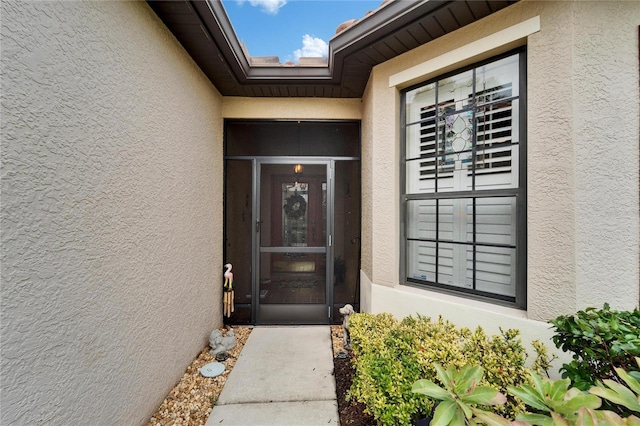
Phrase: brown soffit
pixel 204 29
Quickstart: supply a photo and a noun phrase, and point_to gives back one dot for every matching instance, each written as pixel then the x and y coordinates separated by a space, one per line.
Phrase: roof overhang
pixel 204 29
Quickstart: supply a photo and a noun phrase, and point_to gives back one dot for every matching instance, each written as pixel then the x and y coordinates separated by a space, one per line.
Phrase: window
pixel 464 183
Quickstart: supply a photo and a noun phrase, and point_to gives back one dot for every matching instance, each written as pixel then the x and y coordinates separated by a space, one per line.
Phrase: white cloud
pixel 268 6
pixel 312 47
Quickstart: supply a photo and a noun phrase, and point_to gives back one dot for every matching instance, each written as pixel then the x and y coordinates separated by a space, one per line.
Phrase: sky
pixel 292 28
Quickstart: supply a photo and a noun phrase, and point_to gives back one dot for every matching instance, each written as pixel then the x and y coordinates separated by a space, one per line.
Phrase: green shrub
pixel 503 360
pixel 386 366
pixel 600 339
pixel 390 355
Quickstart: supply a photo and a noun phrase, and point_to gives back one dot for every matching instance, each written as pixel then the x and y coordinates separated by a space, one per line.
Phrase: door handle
pixel 258 222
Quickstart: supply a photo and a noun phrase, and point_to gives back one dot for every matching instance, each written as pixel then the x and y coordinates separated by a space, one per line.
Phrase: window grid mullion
pixel 437 256
pixel 437 141
pixel 474 254
pixel 435 240
pixel 473 176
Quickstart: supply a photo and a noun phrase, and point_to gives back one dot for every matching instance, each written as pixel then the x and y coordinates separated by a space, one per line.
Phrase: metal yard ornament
pixel 228 293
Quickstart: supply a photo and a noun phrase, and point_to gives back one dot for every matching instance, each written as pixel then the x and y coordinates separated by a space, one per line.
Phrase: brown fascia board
pixel 217 25
pixel 384 22
pixel 366 31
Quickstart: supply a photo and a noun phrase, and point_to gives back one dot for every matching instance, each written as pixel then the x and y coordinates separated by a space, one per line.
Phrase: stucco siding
pixel 551 285
pixel 366 262
pixel 380 173
pixel 582 181
pixel 111 212
pixel 606 123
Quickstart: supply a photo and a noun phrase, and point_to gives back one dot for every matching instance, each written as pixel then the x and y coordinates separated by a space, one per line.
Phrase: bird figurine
pixel 228 294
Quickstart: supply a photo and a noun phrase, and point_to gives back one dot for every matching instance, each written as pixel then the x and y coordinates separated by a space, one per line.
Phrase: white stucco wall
pixel 582 166
pixel 111 212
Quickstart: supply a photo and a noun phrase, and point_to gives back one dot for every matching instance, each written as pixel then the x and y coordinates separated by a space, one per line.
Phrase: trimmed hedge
pixel 390 355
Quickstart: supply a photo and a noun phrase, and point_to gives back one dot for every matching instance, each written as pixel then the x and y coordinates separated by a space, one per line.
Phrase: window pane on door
pixel 292 277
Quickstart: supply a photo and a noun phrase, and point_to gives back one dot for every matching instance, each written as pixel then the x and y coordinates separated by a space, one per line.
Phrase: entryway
pixel 293 385
pixel 292 219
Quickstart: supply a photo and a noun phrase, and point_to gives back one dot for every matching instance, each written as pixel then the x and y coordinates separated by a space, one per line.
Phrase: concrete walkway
pixel 284 376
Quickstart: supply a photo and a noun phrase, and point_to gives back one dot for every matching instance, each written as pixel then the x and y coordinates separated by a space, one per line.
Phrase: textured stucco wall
pixel 607 115
pixel 366 247
pixel 550 165
pixel 292 108
pixel 582 182
pixel 111 212
pixel 380 150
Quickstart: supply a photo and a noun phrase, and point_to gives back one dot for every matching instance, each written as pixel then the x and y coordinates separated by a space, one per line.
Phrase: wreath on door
pixel 295 207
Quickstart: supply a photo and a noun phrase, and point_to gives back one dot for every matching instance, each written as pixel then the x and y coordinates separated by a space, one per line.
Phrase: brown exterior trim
pixel 204 29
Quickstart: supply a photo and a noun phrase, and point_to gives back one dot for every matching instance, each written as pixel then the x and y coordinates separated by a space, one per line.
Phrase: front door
pixel 293 235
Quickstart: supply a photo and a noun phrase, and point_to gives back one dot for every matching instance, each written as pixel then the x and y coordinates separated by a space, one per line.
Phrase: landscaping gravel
pixel 190 402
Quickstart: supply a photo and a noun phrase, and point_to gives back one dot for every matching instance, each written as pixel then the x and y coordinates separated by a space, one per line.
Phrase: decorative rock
pixel 212 369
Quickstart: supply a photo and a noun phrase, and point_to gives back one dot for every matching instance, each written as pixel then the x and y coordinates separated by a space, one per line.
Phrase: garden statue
pixel 228 294
pixel 215 342
pixel 219 344
pixel 229 340
pixel 346 311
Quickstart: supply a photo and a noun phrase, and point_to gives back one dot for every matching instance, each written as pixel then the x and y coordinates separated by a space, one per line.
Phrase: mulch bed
pixel 351 412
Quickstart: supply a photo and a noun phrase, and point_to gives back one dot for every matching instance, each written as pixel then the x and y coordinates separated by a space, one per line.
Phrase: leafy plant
pixel 556 403
pixel 461 397
pixel 503 358
pixel 542 362
pixel 601 340
pixel 619 394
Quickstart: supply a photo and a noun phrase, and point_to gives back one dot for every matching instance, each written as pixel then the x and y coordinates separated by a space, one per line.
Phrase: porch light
pixel 297 169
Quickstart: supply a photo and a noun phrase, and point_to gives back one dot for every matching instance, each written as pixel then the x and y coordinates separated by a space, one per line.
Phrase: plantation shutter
pixel 489 161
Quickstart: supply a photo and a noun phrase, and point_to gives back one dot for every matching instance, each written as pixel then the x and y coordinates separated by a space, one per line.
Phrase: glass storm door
pixel 293 243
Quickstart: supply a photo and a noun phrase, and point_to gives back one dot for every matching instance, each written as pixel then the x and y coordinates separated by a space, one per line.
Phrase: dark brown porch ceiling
pixel 204 29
